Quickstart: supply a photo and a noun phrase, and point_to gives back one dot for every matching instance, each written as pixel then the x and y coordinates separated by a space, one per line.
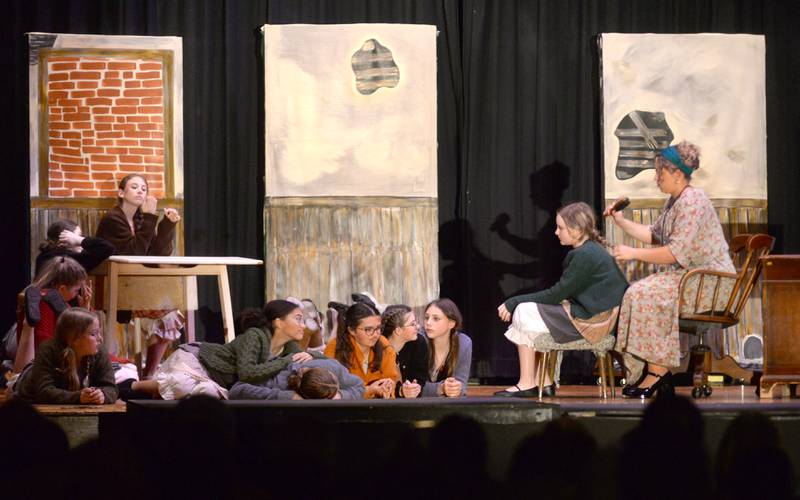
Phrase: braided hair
pixel 579 216
pixel 393 318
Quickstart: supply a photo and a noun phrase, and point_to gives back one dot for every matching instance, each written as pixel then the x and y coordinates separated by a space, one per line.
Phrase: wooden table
pixel 158 268
pixel 781 311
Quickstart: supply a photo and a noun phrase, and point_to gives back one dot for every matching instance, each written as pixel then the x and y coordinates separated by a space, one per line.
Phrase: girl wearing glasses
pixel 70 368
pixel 400 327
pixel 267 346
pixel 360 347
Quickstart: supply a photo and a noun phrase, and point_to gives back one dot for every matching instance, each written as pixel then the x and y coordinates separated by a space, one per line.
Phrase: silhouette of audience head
pixel 751 462
pixel 551 463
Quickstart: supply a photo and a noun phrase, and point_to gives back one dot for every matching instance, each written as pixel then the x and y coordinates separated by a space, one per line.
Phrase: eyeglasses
pixel 369 330
pixel 414 323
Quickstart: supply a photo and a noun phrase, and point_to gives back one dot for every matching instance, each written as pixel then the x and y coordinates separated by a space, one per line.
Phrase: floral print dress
pixel 648 318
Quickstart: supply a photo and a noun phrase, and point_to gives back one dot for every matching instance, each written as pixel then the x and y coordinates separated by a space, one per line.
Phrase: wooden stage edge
pixel 572 398
pixel 607 420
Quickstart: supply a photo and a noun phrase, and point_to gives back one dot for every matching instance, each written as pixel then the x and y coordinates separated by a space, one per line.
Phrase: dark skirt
pixel 561 328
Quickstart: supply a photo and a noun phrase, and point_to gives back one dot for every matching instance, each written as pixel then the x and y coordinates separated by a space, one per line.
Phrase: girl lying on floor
pixel 315 379
pixel 267 346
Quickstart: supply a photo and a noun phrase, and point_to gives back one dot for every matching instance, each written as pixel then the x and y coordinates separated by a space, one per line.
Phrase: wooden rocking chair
pixel 696 318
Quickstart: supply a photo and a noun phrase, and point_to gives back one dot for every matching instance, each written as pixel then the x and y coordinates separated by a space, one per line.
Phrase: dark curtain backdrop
pixel 518 114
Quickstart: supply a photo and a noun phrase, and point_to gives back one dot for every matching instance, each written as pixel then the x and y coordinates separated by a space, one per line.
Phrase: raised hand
pixel 172 215
pixel 150 205
pixel 69 239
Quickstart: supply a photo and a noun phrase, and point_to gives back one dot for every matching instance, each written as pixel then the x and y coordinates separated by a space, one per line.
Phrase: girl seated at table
pixel 360 347
pixel 61 280
pixel 401 329
pixel 70 368
pixel 267 346
pixel 131 227
pixel 450 351
pixel 314 379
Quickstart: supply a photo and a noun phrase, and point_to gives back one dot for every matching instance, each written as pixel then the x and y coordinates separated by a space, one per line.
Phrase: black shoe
pixel 55 301
pixel 360 297
pixel 506 393
pixel 548 391
pixel 338 307
pixel 33 296
pixel 663 387
pixel 629 390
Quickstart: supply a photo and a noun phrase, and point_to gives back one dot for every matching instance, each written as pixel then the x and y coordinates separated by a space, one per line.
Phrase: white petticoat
pixel 182 375
pixel 526 324
pixel 166 327
pixel 126 371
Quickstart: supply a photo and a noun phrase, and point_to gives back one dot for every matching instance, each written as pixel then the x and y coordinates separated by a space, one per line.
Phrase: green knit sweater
pixel 245 358
pixel 591 281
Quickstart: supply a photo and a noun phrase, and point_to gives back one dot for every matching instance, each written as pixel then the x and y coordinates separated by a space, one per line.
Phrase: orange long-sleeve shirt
pixel 388 368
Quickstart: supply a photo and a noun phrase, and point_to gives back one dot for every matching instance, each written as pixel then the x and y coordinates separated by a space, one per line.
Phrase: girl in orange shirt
pixel 360 347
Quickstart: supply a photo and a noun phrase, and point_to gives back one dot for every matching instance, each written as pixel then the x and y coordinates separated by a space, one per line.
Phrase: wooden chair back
pixel 749 248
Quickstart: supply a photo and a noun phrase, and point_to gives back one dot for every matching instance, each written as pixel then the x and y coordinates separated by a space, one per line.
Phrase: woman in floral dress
pixel 687 235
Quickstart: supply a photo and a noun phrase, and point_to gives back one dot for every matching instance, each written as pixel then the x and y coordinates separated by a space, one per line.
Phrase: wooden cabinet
pixel 781 315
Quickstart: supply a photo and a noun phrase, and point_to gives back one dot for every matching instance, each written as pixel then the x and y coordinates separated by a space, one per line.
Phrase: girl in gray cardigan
pixel 314 379
pixel 450 351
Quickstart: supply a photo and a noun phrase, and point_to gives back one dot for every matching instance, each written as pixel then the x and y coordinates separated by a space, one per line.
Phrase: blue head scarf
pixel 671 154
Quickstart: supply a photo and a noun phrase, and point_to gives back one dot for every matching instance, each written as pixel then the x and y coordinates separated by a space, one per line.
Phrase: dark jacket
pixel 591 281
pixel 45 382
pixel 95 251
pixel 413 362
pixel 147 240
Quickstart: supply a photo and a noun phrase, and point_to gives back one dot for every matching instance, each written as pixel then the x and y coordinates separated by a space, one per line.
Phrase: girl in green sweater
pixel 591 288
pixel 267 346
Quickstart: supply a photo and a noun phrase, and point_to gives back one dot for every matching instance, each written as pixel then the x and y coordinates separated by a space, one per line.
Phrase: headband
pixel 671 154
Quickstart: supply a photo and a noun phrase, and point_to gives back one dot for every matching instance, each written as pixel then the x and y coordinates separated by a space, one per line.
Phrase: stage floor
pixel 725 399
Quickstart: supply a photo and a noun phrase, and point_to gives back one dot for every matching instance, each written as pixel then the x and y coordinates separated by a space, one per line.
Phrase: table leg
pixel 111 299
pixel 225 303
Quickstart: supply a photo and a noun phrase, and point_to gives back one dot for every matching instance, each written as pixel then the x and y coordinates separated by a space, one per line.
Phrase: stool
pixel 547 345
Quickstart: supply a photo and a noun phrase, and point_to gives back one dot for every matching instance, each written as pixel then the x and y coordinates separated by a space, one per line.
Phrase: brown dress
pixel 146 240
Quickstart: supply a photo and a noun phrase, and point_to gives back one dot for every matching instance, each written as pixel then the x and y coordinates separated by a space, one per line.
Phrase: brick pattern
pixel 105 119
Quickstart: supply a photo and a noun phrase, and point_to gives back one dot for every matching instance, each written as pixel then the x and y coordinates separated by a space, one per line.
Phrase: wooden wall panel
pixel 326 248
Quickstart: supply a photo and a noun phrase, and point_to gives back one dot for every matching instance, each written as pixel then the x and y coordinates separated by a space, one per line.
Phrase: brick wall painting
pixel 105 120
pixel 103 107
